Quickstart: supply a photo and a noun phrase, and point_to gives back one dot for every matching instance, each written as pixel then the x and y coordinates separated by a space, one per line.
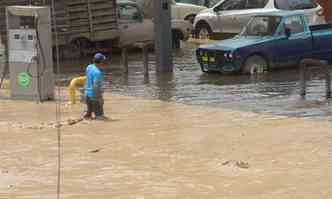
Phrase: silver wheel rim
pixel 257 68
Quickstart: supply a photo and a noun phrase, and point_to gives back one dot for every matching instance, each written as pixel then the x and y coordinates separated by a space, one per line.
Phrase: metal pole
pixel 328 82
pixel 163 35
pixel 303 79
pixel 145 60
pixel 125 59
pixel 323 65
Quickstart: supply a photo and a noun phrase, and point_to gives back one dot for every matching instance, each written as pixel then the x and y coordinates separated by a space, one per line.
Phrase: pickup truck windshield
pixel 261 26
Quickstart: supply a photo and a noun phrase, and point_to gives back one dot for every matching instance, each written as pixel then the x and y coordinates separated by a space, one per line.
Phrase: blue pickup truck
pixel 273 40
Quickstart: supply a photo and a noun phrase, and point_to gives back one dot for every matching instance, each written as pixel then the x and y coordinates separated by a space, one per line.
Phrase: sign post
pixel 163 35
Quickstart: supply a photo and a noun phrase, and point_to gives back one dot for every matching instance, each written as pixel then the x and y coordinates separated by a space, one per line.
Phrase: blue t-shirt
pixel 93 81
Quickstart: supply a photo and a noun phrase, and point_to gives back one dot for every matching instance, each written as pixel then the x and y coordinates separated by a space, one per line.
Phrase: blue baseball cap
pixel 99 57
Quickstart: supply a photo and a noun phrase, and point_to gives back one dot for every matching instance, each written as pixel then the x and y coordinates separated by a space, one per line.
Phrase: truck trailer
pixel 79 22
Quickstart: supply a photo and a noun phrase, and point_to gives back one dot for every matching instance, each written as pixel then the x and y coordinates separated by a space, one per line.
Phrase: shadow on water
pixel 274 93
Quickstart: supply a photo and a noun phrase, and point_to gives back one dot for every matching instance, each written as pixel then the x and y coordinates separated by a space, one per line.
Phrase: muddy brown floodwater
pixel 274 93
pixel 187 135
pixel 153 149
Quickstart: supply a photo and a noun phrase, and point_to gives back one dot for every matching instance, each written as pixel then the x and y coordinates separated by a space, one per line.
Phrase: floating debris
pixel 71 122
pixel 239 164
pixel 43 125
pixel 95 151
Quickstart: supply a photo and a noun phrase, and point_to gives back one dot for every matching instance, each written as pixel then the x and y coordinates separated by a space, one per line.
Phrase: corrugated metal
pixel 95 20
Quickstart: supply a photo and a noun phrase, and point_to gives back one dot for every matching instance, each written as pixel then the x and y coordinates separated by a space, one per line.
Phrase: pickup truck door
pixel 133 28
pixel 290 50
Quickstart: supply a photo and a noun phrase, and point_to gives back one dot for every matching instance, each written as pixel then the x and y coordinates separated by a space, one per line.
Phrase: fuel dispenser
pixel 30 52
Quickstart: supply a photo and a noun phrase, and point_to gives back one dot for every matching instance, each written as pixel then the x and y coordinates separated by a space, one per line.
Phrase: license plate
pixel 205 58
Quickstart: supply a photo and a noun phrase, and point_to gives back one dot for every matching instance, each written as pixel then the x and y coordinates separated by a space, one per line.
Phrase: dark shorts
pixel 94 106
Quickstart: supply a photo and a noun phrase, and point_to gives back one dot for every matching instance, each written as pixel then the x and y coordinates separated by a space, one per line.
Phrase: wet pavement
pixel 274 93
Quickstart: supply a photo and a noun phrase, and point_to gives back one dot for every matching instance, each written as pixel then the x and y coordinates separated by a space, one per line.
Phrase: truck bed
pixel 94 20
pixel 321 41
pixel 320 27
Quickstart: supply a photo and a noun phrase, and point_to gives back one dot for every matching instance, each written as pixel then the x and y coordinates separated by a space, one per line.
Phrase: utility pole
pixel 163 35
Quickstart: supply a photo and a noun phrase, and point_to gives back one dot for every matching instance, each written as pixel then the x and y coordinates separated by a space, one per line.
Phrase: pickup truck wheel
pixel 255 65
pixel 203 31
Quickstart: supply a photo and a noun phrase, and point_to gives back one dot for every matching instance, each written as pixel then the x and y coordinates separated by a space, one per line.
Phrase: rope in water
pixel 58 101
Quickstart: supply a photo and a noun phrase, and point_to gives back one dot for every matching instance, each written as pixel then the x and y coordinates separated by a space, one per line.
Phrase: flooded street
pixel 154 149
pixel 275 93
pixel 187 135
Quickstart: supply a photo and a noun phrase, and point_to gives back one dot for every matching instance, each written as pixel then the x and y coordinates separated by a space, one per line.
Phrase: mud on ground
pixel 152 149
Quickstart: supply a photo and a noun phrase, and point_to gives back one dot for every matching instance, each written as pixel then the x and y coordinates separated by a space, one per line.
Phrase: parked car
pixel 229 16
pixel 182 11
pixel 268 41
pixel 134 27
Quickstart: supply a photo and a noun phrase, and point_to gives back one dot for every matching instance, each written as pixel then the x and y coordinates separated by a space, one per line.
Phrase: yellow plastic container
pixel 74 84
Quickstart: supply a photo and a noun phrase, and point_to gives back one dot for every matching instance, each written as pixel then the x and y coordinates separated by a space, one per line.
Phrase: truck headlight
pixel 229 55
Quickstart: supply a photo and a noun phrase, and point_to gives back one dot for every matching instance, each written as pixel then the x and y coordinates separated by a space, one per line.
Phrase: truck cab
pixel 134 27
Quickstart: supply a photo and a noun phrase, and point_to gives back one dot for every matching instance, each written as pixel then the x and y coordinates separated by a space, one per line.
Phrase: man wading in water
pixel 93 91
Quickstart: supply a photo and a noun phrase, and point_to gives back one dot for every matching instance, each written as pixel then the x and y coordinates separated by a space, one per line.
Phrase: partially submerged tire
pixel 203 31
pixel 255 65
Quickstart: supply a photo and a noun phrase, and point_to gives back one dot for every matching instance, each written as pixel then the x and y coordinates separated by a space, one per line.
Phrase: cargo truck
pixel 79 22
pixel 87 25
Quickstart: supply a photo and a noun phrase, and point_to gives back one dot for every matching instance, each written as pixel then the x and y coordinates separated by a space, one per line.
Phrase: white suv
pixel 229 16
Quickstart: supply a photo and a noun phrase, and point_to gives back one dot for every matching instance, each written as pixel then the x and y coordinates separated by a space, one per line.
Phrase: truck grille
pixel 211 57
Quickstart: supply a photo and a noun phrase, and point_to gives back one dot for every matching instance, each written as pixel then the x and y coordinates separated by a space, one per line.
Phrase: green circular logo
pixel 23 79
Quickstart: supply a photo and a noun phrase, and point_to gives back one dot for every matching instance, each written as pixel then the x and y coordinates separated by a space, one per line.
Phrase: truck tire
pixel 255 64
pixel 190 18
pixel 203 31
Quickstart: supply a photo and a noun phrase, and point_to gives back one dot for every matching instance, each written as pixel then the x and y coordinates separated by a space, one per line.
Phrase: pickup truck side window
pixel 231 5
pixel 295 24
pixel 129 13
